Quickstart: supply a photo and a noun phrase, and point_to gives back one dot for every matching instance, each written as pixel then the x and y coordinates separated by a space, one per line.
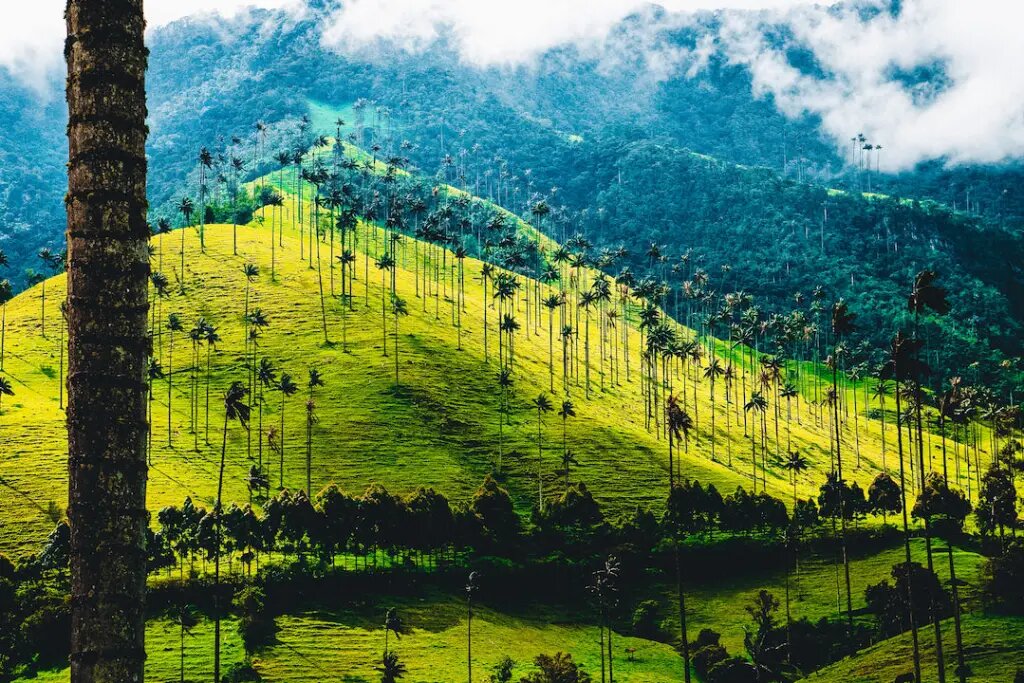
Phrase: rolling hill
pixel 436 427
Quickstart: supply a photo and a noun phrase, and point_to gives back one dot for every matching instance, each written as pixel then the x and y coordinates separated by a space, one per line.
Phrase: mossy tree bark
pixel 108 348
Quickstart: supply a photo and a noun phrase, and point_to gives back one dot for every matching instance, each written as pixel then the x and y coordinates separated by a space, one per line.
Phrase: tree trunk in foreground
pixel 108 348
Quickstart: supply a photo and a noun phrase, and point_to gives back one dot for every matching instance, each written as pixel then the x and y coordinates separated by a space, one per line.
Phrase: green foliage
pixel 558 668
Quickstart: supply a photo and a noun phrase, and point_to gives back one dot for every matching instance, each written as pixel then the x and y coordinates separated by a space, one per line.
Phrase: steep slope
pixel 437 426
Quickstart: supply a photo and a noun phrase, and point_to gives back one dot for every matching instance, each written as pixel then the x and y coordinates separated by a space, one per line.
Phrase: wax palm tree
pixel 543 405
pixel 925 297
pixel 51 262
pixel 287 388
pixel 385 264
pixel 5 390
pixel 678 424
pixel 205 163
pixel 235 409
pixel 712 372
pixel 185 208
pixel 486 274
pixel 237 166
pixel 250 271
pixel 471 589
pixel 901 366
pixel 504 387
pixel 399 309
pixel 315 380
pixel 266 376
pixel 552 302
pixel 796 464
pixel 391 669
pixel 212 338
pixel 565 412
pixel 174 324
pixel 392 624
pixel 153 373
pixel 509 326
pixel 586 301
pixel 759 405
pixel 186 619
pixel 6 294
pixel 842 326
pixel 790 392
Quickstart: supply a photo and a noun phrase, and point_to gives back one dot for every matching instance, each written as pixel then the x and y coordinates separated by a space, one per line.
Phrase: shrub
pixel 647 620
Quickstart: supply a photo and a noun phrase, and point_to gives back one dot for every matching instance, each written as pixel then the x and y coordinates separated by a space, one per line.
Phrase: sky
pixel 975 113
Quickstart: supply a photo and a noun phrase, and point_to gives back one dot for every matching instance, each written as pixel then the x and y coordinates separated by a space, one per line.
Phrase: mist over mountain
pixel 603 129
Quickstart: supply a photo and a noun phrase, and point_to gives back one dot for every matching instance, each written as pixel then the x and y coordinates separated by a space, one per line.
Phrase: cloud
pixel 926 79
pixel 32 33
pixel 498 33
pixel 937 79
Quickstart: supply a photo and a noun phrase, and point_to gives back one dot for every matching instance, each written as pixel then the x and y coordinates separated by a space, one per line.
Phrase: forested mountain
pixel 607 142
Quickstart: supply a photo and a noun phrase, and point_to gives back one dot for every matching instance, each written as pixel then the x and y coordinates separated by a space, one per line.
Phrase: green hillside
pixel 437 426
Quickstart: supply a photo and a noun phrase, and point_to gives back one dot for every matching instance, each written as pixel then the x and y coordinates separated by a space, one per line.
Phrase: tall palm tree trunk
pixel 108 271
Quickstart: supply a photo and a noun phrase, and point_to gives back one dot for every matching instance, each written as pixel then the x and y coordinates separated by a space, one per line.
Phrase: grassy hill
pixel 437 426
pixel 992 646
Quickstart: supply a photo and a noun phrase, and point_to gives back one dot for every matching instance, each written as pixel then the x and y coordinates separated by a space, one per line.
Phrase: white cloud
pixel 499 32
pixel 32 33
pixel 977 116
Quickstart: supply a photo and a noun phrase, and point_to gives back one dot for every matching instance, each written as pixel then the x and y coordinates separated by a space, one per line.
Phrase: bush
pixel 241 672
pixel 889 602
pixel 1002 579
pixel 647 620
pixel 557 669
pixel 708 652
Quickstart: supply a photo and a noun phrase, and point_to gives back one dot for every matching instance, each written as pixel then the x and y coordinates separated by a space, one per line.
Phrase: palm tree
pixel 712 372
pixel 901 365
pixel 565 412
pixel 108 346
pixel 471 589
pixel 924 297
pixel 551 302
pixel 5 390
pixel 758 404
pixel 211 338
pixel 504 386
pixel 315 380
pixel 173 325
pixel 678 423
pixel 385 264
pixel 842 326
pixel 6 294
pixel 251 271
pixel 543 405
pixel 51 262
pixel 881 390
pixel 185 208
pixel 392 624
pixel 237 166
pixel 266 375
pixel 391 669
pixel 154 373
pixel 235 408
pixel 398 308
pixel 186 620
pixel 205 163
pixel 287 388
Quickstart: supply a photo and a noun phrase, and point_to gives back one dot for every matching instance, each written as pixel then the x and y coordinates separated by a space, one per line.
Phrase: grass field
pixel 345 645
pixel 993 646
